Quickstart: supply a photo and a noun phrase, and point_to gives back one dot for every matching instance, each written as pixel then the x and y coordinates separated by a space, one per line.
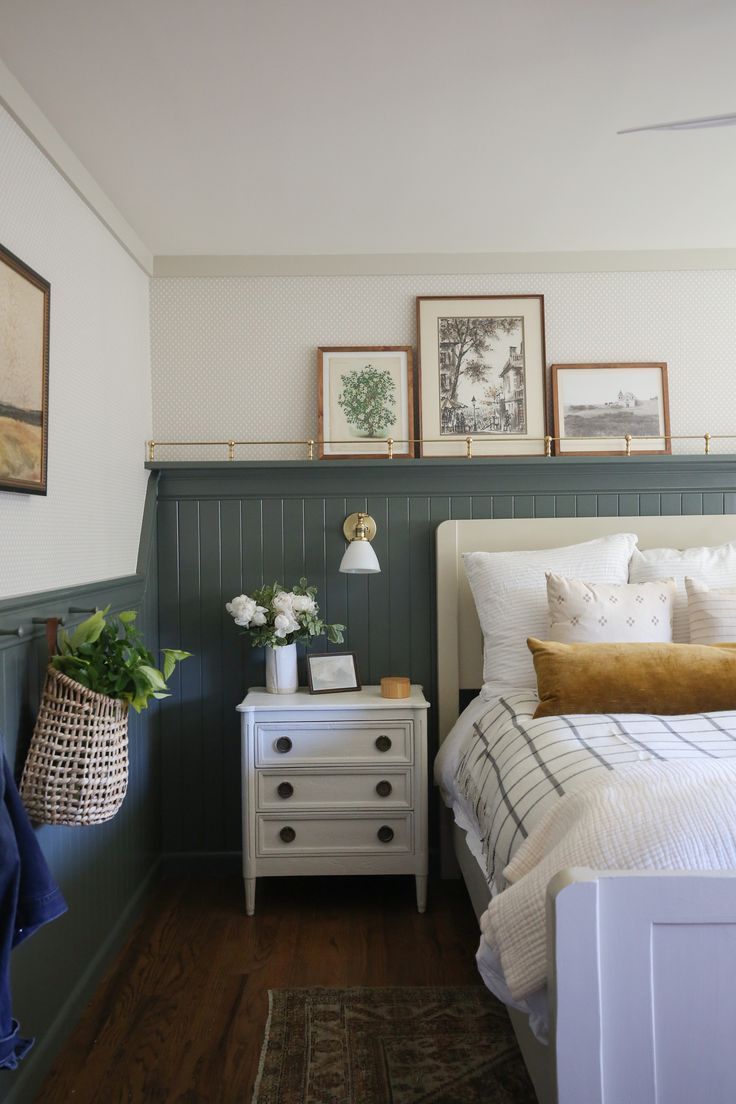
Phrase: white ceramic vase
pixel 281 674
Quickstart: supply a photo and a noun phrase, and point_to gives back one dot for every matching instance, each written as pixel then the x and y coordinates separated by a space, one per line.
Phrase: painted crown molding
pixel 27 114
pixel 427 264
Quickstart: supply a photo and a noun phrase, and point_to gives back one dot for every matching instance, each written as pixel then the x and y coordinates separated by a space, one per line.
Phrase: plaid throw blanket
pixel 651 815
pixel 514 768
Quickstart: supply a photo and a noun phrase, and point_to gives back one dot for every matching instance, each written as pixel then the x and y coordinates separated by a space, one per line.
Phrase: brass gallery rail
pixel 548 441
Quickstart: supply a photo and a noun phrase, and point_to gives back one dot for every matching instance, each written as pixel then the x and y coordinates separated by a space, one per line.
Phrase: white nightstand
pixel 334 784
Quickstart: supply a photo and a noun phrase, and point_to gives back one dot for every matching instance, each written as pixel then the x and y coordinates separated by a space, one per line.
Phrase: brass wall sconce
pixel 359 557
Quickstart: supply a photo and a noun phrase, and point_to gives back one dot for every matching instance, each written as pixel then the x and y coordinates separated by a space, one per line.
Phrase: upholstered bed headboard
pixel 459 643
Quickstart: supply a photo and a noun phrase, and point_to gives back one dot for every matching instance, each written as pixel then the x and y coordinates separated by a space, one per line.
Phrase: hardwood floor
pixel 180 1016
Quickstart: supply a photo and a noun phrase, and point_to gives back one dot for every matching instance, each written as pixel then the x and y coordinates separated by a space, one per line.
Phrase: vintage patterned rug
pixel 390 1046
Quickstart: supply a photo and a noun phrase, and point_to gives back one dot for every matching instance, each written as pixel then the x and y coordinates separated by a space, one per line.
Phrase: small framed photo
pixel 366 395
pixel 24 376
pixel 332 672
pixel 482 374
pixel 602 403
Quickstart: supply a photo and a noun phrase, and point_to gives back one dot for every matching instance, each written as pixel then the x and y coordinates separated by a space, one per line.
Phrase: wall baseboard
pixel 31 1074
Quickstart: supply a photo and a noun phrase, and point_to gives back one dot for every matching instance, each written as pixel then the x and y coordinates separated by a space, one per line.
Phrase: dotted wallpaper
pixel 236 356
pixel 88 526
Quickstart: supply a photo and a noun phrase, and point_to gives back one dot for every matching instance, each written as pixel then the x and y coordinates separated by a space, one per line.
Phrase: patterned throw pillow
pixel 590 613
pixel 712 613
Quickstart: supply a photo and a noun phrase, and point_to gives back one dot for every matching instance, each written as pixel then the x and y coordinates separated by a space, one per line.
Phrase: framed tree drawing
pixel 595 406
pixel 482 374
pixel 366 396
pixel 24 376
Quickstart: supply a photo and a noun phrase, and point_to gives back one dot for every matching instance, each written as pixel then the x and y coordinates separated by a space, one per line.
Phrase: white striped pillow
pixel 712 613
pixel 510 593
pixel 712 566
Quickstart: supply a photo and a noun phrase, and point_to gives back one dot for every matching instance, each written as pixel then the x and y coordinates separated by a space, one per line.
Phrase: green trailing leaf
pixel 88 631
pixel 153 677
pixel 109 657
pixel 172 656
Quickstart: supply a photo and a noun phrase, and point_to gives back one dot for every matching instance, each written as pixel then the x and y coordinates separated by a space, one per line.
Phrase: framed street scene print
pixel 596 405
pixel 24 376
pixel 482 374
pixel 366 395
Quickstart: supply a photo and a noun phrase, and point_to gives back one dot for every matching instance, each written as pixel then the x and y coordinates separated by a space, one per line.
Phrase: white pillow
pixel 712 613
pixel 712 566
pixel 592 613
pixel 510 593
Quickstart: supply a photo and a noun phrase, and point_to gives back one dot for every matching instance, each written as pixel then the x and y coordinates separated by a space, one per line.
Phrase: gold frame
pixel 8 482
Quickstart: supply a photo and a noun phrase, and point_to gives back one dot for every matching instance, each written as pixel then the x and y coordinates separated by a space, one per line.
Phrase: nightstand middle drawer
pixel 306 789
pixel 312 743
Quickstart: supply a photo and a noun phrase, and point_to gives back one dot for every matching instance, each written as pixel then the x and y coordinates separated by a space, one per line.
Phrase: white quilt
pixel 613 792
pixel 656 815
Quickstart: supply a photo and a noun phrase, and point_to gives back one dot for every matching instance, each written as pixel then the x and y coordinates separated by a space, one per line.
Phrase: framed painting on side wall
pixel 24 376
pixel 366 396
pixel 482 375
pixel 595 406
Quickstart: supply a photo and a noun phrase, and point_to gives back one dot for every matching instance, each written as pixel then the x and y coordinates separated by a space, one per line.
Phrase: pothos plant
pixel 275 617
pixel 108 656
pixel 368 399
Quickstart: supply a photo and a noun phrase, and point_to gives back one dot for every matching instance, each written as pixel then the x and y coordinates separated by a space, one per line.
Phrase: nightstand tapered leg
pixel 250 895
pixel 421 880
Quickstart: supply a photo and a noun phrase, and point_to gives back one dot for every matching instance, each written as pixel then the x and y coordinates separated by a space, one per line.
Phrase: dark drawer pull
pixel 383 743
pixel 383 789
pixel 385 834
pixel 285 789
pixel 288 835
pixel 284 744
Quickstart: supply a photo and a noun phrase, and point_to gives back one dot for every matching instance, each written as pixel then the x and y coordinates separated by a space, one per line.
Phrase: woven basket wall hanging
pixel 76 771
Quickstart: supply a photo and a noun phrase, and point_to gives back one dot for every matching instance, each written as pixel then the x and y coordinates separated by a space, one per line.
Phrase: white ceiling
pixel 391 126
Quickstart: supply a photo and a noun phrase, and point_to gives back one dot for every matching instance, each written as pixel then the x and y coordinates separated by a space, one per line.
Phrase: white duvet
pixel 648 816
pixel 608 792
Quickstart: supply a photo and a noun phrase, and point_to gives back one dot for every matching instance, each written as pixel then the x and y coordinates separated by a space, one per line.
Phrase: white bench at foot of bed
pixel 643 986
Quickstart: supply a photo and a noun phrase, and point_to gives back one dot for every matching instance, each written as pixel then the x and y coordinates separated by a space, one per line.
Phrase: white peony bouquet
pixel 274 617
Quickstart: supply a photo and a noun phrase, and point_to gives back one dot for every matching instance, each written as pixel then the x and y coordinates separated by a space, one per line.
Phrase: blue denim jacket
pixel 29 897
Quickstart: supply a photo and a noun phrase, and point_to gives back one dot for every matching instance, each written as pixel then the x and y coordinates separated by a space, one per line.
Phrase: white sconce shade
pixel 359 558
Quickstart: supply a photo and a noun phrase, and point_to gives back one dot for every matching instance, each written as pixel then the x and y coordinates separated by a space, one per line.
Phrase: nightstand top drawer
pixel 367 698
pixel 323 743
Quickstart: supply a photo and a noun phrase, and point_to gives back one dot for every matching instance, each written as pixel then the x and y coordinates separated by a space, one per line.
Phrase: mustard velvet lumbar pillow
pixel 633 678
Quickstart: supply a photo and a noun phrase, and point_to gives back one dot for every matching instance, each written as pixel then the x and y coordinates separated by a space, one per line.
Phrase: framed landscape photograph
pixel 366 395
pixel 482 374
pixel 24 376
pixel 332 672
pixel 607 401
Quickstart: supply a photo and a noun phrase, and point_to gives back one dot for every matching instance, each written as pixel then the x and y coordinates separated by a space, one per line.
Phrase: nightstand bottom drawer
pixel 333 835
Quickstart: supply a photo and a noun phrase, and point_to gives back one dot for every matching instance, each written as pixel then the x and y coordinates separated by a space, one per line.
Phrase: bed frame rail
pixel 642 991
